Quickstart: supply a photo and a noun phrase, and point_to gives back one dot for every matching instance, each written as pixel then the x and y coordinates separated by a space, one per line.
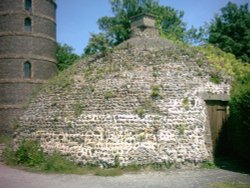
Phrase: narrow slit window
pixel 27 70
pixel 27 24
pixel 28 5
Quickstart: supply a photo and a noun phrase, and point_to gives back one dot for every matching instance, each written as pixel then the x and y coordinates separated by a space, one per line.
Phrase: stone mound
pixel 141 104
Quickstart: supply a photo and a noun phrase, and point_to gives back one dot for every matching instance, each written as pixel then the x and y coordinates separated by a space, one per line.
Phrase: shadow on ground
pixel 232 164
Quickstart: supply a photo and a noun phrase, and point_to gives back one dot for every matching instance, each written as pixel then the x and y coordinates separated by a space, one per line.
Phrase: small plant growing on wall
pixel 200 62
pixel 140 111
pixel 117 161
pixel 78 108
pixel 181 129
pixel 215 78
pixel 142 136
pixel 108 94
pixel 155 91
pixel 155 72
pixel 147 106
pixel 185 103
pixel 92 88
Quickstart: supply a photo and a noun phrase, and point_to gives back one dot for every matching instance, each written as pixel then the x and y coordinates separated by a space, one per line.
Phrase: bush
pixel 239 120
pixel 29 154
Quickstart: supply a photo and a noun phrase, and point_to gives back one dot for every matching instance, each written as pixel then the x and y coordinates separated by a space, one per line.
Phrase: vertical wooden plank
pixel 217 116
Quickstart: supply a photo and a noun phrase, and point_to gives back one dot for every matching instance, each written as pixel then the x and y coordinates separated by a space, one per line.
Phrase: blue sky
pixel 76 19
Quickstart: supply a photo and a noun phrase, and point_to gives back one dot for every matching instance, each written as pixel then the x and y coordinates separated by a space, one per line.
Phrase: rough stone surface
pixel 140 104
pixel 143 25
pixel 94 120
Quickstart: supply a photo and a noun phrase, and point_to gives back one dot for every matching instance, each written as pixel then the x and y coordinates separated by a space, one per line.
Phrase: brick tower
pixel 27 53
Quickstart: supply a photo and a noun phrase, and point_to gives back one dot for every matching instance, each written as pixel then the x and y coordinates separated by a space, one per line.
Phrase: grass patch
pixel 200 62
pixel 78 108
pixel 62 81
pixel 215 78
pixel 208 165
pixel 229 185
pixel 30 156
pixel 109 94
pixel 108 172
pixel 56 163
pixel 5 139
pixel 185 103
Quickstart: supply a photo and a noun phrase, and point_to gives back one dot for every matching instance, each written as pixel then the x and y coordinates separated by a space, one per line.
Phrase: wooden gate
pixel 217 112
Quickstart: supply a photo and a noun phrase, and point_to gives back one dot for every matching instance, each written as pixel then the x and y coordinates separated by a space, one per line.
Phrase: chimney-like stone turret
pixel 143 25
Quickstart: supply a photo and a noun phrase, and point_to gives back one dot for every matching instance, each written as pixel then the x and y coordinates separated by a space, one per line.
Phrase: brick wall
pixel 18 46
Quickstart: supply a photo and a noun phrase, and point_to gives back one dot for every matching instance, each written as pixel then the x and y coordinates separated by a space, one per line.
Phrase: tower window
pixel 27 24
pixel 28 5
pixel 27 70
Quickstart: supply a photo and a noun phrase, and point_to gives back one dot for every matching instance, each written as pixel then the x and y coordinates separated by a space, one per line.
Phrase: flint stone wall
pixel 102 117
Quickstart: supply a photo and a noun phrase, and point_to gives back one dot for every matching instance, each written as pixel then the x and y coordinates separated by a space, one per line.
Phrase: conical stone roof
pixel 142 103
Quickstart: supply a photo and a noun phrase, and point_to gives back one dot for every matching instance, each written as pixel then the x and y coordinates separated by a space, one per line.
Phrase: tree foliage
pixel 239 120
pixel 230 30
pixel 97 43
pixel 195 36
pixel 116 29
pixel 65 56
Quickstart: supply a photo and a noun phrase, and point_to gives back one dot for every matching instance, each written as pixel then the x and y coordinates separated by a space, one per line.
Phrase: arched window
pixel 27 70
pixel 27 24
pixel 28 5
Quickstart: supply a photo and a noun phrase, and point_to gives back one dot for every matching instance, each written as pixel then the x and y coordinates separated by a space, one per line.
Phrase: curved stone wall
pixel 20 43
pixel 28 46
pixel 41 25
pixel 11 5
pixel 16 69
pixel 11 92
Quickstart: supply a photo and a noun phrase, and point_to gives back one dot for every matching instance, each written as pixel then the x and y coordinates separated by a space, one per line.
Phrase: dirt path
pixel 13 178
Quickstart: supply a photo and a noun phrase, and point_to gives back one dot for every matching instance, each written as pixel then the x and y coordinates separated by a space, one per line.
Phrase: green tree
pixel 98 43
pixel 239 119
pixel 195 36
pixel 230 30
pixel 65 56
pixel 116 29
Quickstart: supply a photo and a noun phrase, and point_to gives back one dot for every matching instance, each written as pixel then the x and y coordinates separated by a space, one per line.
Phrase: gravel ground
pixel 203 178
